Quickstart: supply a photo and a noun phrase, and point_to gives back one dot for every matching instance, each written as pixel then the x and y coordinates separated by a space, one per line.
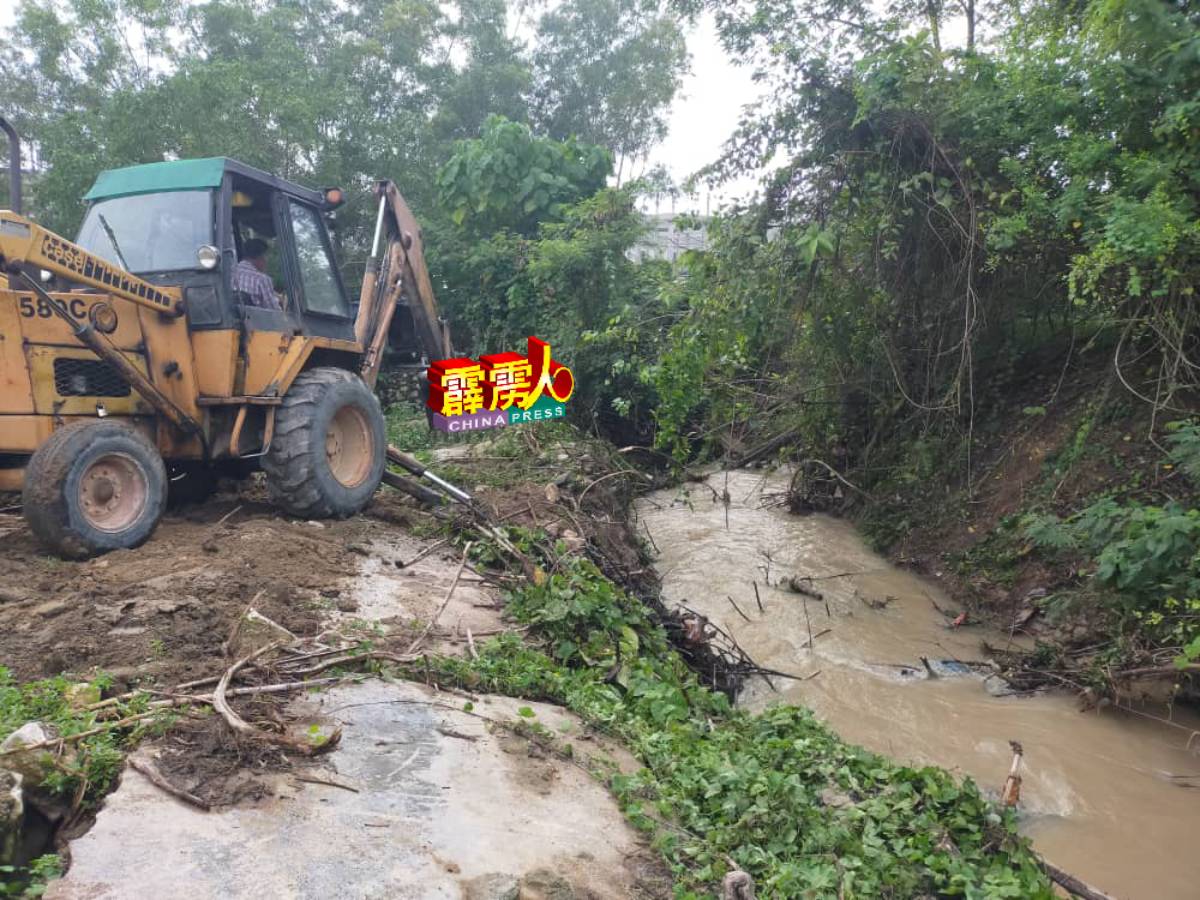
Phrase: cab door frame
pixel 319 323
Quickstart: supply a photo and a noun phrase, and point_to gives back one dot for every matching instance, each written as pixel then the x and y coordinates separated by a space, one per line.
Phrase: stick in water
pixel 808 622
pixel 1011 794
pixel 735 606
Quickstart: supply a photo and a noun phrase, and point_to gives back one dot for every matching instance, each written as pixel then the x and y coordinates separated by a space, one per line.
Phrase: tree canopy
pixel 320 91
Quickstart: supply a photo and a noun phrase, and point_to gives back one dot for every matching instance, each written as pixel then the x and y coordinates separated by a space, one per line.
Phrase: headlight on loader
pixel 208 256
pixel 103 317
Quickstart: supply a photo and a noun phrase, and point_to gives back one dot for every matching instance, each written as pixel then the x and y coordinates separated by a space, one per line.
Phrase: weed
pixel 30 881
pixel 94 762
pixel 1146 560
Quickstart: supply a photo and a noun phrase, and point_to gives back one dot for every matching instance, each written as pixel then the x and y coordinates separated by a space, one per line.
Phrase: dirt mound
pixel 160 613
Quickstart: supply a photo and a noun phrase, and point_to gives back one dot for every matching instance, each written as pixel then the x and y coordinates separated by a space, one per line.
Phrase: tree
pixel 510 179
pixel 606 71
pixel 314 90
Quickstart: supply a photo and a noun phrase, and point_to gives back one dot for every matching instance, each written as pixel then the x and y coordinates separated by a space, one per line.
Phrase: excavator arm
pixel 25 244
pixel 396 275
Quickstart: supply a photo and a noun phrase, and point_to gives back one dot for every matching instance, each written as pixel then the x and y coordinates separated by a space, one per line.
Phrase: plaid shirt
pixel 256 285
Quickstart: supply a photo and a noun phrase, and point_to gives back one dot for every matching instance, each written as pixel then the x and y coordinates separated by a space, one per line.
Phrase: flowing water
pixel 1102 795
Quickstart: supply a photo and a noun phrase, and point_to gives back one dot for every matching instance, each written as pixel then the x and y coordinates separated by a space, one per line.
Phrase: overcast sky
pixel 704 115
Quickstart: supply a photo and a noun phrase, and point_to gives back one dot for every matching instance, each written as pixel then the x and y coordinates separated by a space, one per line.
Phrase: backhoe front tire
pixel 329 448
pixel 94 487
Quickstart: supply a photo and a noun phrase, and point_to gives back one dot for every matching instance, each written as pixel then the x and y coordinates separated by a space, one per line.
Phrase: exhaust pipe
pixel 14 165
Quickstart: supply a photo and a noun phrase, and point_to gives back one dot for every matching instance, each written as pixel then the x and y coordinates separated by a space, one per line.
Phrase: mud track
pixel 159 614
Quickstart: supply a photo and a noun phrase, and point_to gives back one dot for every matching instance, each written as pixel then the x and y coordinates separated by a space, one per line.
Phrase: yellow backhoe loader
pixel 130 359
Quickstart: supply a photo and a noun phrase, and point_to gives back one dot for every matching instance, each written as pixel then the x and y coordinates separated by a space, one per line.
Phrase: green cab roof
pixel 153 178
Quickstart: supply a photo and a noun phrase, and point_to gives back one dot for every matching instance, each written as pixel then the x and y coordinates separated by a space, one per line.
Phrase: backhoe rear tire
pixel 329 448
pixel 94 487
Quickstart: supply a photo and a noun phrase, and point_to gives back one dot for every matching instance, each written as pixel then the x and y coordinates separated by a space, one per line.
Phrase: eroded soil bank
pixel 1105 793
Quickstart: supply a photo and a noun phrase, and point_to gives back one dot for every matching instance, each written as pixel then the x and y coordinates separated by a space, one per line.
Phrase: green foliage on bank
pixel 775 794
pixel 88 767
pixel 30 882
pixel 1144 559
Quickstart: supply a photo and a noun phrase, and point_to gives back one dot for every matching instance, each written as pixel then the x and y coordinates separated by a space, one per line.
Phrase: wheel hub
pixel 348 446
pixel 112 492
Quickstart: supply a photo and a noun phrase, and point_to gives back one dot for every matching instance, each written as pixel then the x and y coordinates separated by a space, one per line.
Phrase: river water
pixel 1102 793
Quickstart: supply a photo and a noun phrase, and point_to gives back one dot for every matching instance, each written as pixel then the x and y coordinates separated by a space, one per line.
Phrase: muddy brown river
pixel 1105 794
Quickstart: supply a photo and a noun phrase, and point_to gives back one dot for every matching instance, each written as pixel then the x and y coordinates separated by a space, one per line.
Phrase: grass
pixel 88 770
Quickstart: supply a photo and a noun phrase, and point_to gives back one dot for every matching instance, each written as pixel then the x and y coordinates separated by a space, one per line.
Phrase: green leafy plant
pixel 95 760
pixel 1147 557
pixel 508 178
pixel 30 881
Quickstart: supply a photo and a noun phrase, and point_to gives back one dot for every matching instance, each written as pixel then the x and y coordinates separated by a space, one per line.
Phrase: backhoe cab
pixel 129 354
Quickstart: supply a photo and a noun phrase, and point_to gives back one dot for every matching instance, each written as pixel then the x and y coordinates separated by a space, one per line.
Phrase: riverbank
pixel 1063 509
pixel 881 662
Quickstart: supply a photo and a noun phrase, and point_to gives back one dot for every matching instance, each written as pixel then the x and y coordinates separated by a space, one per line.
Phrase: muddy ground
pixel 160 613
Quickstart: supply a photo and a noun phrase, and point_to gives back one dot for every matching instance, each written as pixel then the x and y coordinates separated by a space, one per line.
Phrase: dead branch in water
pixel 821 633
pixel 808 625
pixel 1068 882
pixel 736 607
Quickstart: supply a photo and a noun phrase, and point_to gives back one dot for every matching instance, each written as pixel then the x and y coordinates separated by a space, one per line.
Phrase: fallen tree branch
pixel 379 655
pixel 241 726
pixel 156 778
pixel 80 735
pixel 592 484
pixel 445 601
pixel 738 608
pixel 424 553
pixel 1070 883
pixel 820 633
pixel 834 472
pixel 1156 671
pixel 766 448
pixel 312 779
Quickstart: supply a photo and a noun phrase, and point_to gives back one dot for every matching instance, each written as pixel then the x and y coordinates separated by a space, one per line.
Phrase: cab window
pixel 319 283
pixel 149 232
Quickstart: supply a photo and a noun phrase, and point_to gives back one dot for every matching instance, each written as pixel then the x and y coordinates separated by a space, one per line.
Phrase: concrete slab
pixel 412 595
pixel 444 806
